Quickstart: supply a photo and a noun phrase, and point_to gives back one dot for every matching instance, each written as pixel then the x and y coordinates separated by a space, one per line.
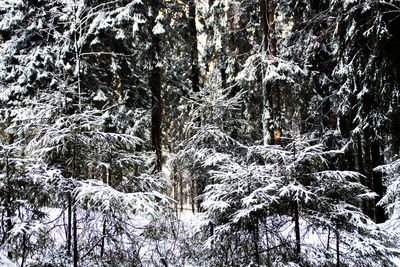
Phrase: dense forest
pixel 199 132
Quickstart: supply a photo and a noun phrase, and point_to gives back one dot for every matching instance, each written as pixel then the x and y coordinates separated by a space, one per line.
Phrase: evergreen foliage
pixel 276 122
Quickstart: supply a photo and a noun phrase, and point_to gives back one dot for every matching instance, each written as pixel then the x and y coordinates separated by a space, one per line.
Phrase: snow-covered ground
pixel 5 262
pixel 183 225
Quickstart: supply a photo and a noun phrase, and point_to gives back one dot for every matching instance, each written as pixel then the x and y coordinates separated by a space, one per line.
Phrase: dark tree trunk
pixel 23 250
pixel 271 92
pixel 192 196
pixel 264 23
pixel 377 181
pixel 103 237
pixel 155 86
pixel 69 226
pixel 8 202
pixel 297 229
pixel 395 131
pixel 368 172
pixel 75 237
pixel 181 191
pixel 337 249
pixel 256 241
pixel 174 179
pixel 271 27
pixel 195 80
pixel 267 103
pixel 195 72
pixel 361 169
pixel 274 90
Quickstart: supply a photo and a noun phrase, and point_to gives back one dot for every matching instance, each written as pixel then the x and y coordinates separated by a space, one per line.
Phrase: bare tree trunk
pixel 103 238
pixel 174 179
pixel 271 118
pixel 274 89
pixel 23 250
pixel 264 23
pixel 377 185
pixel 267 105
pixel 256 241
pixel 361 169
pixel 368 172
pixel 75 237
pixel 69 226
pixel 297 229
pixel 271 27
pixel 181 190
pixel 155 86
pixel 195 71
pixel 337 249
pixel 8 201
pixel 328 239
pixel 192 196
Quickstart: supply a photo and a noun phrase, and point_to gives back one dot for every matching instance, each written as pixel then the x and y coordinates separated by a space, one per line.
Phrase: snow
pixel 158 29
pixel 5 262
pixel 396 261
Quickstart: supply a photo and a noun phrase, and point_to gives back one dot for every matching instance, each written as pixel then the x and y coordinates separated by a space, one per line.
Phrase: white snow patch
pixel 158 29
pixel 5 262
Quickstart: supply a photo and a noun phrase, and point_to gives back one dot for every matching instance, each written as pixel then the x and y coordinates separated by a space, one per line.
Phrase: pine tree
pixel 68 120
pixel 263 190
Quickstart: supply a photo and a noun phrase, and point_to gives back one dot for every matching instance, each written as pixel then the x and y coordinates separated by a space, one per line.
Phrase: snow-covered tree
pixel 287 207
pixel 80 120
pixel 391 198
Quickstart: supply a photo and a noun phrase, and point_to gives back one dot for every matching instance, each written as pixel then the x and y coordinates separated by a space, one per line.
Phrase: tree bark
pixel 264 23
pixel 69 226
pixel 368 172
pixel 256 241
pixel 155 86
pixel 361 169
pixel 377 185
pixel 75 237
pixel 192 195
pixel 271 27
pixel 103 238
pixel 181 191
pixel 8 201
pixel 195 72
pixel 337 249
pixel 271 118
pixel 297 229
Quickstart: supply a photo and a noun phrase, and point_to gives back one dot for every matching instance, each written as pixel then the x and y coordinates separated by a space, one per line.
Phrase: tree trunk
pixel 195 72
pixel 69 226
pixel 8 201
pixel 395 131
pixel 361 169
pixel 274 92
pixel 328 239
pixel 337 249
pixel 271 27
pixel 368 172
pixel 271 117
pixel 155 86
pixel 75 237
pixel 23 250
pixel 264 23
pixel 267 105
pixel 192 196
pixel 297 230
pixel 174 180
pixel 103 238
pixel 181 191
pixel 377 185
pixel 256 241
